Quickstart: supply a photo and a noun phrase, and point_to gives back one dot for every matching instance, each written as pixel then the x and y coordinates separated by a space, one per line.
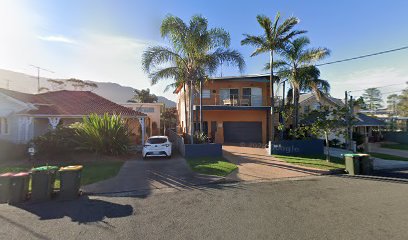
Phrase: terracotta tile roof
pixel 70 103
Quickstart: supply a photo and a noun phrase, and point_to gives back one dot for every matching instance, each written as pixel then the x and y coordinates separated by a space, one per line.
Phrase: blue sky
pixel 103 40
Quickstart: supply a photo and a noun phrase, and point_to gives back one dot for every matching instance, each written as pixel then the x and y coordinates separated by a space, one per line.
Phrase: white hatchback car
pixel 157 146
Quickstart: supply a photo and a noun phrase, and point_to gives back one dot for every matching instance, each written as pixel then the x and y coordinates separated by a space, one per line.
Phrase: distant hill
pixel 25 83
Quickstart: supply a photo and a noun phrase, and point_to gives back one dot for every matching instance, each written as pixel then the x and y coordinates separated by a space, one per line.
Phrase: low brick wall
pixel 194 150
pixel 296 147
pixel 202 150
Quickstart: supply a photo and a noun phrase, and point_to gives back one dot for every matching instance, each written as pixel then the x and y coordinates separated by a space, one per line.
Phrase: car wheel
pixel 168 157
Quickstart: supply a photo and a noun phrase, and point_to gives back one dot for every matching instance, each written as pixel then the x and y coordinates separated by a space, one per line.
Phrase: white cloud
pixel 57 38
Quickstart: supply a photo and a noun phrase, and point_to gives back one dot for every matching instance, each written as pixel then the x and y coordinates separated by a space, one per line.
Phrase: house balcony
pixel 232 101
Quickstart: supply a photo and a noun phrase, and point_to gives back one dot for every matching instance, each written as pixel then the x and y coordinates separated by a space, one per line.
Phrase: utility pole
pixel 351 114
pixel 348 142
pixel 38 75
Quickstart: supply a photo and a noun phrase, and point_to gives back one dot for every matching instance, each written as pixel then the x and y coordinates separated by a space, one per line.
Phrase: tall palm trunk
pixel 272 94
pixel 201 106
pixel 296 106
pixel 191 112
pixel 185 108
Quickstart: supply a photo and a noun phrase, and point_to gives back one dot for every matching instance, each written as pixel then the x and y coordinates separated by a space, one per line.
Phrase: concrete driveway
pixel 145 176
pixel 256 164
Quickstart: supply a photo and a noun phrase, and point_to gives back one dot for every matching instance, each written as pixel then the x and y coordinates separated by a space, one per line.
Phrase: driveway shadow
pixel 82 210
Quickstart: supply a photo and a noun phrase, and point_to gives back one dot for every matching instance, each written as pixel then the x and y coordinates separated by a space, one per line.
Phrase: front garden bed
pixel 96 168
pixel 314 161
pixel 217 166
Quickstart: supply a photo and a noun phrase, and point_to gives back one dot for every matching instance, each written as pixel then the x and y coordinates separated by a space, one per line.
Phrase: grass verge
pixel 388 156
pixel 318 161
pixel 395 146
pixel 211 166
pixel 91 173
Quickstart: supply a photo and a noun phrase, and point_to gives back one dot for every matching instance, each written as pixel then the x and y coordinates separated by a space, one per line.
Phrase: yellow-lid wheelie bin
pixel 70 178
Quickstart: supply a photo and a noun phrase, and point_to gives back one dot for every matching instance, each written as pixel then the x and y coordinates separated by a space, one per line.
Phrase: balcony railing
pixel 236 100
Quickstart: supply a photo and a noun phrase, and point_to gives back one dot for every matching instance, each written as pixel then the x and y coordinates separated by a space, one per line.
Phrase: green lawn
pixel 398 146
pixel 388 156
pixel 314 161
pixel 212 166
pixel 91 173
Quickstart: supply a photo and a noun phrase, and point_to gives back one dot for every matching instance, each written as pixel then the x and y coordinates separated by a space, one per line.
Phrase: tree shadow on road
pixel 82 210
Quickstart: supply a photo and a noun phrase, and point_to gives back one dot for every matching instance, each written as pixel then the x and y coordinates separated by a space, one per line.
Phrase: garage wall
pixel 234 116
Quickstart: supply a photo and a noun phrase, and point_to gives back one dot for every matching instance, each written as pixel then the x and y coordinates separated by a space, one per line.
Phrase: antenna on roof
pixel 38 75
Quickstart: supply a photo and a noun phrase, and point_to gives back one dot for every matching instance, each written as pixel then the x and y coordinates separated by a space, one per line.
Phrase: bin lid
pixel 21 174
pixel 9 174
pixel 44 168
pixel 71 168
pixel 356 155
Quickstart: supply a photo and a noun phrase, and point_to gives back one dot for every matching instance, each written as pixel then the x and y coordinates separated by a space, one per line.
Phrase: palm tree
pixel 143 96
pixel 296 66
pixel 195 53
pixel 275 36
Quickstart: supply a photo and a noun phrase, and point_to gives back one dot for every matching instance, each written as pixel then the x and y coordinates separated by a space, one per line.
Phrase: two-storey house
pixel 234 109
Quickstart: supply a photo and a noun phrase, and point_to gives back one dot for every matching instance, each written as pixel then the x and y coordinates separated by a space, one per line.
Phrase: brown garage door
pixel 243 132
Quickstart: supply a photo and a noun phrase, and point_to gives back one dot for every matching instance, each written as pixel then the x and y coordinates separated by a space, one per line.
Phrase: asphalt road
pixel 327 207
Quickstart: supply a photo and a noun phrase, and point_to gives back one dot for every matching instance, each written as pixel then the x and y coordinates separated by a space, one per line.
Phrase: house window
pixel 307 109
pixel 146 109
pixel 316 106
pixel 4 126
pixel 206 93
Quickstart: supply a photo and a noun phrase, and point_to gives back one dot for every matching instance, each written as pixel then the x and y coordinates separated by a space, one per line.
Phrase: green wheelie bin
pixel 19 183
pixel 357 164
pixel 70 178
pixel 5 187
pixel 42 183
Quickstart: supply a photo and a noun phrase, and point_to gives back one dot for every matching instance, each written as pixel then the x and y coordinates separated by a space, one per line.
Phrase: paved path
pixel 147 175
pixel 256 164
pixel 328 207
pixel 376 147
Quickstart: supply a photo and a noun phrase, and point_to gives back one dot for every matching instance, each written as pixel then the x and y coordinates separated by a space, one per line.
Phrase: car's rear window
pixel 157 140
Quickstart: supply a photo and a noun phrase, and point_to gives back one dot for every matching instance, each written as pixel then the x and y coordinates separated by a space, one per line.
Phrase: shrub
pixel 200 138
pixel 107 134
pixel 358 137
pixel 59 141
pixel 334 142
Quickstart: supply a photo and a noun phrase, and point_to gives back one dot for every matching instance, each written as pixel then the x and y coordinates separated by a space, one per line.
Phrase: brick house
pixel 234 109
pixel 24 116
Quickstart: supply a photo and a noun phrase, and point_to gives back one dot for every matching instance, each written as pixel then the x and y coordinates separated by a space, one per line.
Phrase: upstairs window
pixel 146 109
pixel 307 109
pixel 206 93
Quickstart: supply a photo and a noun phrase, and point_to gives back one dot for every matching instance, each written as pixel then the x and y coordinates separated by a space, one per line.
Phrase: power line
pixel 360 90
pixel 355 58
pixel 364 56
